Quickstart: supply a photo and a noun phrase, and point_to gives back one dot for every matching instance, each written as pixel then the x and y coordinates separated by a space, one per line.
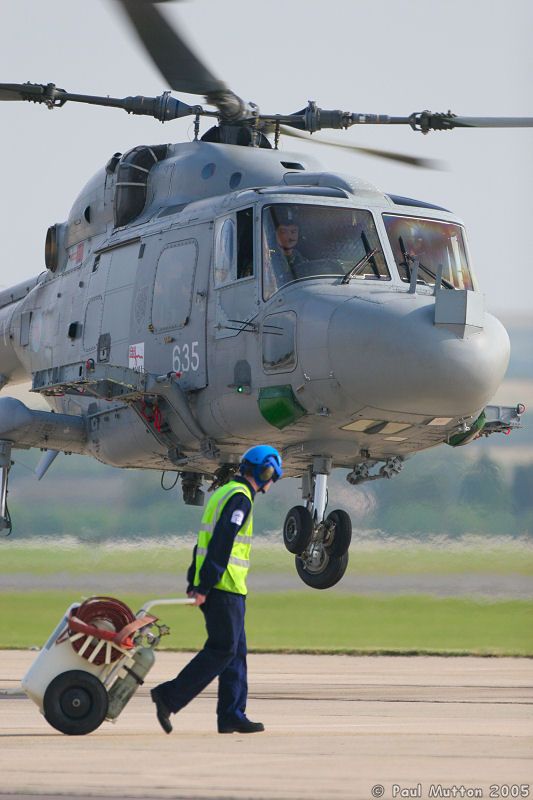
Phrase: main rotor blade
pixel 492 122
pixel 402 158
pixel 426 121
pixel 176 61
pixel 172 55
pixel 22 91
pixel 163 108
pixel 314 119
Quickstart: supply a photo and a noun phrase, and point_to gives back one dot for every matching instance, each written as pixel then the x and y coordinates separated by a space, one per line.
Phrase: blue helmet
pixel 265 464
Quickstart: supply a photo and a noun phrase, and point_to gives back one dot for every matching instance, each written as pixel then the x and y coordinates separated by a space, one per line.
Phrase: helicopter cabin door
pixel 177 262
pixel 236 283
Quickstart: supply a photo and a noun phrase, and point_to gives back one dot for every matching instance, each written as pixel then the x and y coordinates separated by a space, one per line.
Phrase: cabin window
pixel 310 241
pixel 279 342
pixel 435 245
pixel 174 279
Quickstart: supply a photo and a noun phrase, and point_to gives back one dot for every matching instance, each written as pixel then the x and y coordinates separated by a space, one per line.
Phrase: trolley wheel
pixel 342 532
pixel 75 702
pixel 297 529
pixel 324 574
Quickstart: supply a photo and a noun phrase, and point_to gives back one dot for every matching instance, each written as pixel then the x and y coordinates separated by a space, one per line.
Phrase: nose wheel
pixel 338 532
pixel 319 569
pixel 319 544
pixel 297 530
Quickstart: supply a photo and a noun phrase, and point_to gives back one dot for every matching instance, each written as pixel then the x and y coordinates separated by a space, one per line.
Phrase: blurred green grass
pixel 146 557
pixel 316 622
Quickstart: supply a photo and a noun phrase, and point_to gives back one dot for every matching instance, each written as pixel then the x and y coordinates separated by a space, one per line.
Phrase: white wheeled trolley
pixel 94 661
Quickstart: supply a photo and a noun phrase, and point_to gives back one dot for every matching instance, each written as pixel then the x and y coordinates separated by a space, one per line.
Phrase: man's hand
pixel 199 599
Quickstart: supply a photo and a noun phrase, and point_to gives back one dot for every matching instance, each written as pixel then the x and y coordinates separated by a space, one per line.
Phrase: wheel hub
pixel 291 529
pixel 75 703
pixel 317 558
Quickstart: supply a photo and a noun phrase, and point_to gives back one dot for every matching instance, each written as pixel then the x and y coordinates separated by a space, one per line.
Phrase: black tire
pixel 75 703
pixel 342 536
pixel 333 570
pixel 297 529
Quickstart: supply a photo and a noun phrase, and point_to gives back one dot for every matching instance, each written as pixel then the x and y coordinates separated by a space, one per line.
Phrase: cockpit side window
pixel 224 251
pixel 306 241
pixel 234 247
pixel 435 245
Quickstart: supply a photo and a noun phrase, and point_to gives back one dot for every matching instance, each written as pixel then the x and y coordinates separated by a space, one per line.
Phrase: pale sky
pixel 387 56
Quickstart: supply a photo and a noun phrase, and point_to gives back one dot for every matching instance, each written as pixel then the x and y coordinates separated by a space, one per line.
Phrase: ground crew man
pixel 217 581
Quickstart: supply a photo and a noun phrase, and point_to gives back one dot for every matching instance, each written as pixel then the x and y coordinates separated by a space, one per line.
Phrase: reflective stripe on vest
pixel 234 577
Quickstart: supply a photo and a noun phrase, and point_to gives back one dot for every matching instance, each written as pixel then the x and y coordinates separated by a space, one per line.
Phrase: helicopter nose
pixel 399 360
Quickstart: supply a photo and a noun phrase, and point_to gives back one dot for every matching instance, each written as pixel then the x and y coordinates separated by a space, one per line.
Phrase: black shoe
pixel 241 726
pixel 163 714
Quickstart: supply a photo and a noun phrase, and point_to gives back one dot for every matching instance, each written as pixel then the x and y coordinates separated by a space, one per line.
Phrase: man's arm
pixel 233 517
pixel 191 572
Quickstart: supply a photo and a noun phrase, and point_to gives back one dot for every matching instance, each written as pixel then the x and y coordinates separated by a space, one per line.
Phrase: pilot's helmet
pixel 285 215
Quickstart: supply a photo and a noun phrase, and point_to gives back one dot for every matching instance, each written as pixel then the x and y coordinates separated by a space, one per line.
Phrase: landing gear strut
pixel 319 543
pixel 5 466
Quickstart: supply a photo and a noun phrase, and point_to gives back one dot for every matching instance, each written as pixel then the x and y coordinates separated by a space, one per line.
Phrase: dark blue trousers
pixel 223 655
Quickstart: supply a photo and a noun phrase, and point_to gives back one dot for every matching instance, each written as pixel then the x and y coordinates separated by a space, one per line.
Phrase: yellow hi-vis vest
pixel 234 577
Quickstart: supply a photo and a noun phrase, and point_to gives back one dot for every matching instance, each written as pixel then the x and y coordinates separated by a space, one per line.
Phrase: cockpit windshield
pixel 434 245
pixel 307 241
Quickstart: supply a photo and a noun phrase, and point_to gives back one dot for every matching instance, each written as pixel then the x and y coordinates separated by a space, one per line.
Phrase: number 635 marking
pixel 185 358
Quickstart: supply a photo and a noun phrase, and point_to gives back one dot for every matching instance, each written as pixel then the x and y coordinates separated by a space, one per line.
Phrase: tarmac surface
pixel 339 727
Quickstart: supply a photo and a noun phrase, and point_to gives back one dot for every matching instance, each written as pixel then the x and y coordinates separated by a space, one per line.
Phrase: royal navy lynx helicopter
pixel 206 296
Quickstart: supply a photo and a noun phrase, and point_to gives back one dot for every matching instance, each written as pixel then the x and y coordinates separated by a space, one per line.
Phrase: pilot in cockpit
pixel 287 258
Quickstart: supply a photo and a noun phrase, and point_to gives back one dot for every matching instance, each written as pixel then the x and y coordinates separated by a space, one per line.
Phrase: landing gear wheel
pixel 297 529
pixel 321 570
pixel 75 703
pixel 341 527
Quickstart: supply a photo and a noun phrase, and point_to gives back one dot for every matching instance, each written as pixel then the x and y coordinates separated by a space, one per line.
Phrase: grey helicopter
pixel 205 296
